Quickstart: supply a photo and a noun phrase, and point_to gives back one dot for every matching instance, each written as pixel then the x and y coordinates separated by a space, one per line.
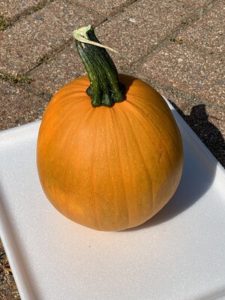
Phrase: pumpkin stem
pixel 105 88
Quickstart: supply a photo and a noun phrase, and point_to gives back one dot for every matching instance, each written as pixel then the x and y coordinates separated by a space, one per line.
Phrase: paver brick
pixel 143 25
pixel 188 70
pixel 209 31
pixel 104 7
pixel 54 73
pixel 12 8
pixel 18 105
pixel 24 45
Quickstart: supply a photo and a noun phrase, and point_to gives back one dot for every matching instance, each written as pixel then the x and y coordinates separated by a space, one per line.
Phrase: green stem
pixel 105 88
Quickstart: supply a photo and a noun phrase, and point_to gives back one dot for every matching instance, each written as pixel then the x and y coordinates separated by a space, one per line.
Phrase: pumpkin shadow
pixel 198 173
pixel 19 257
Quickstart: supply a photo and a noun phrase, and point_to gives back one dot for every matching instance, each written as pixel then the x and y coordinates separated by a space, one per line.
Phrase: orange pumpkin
pixel 114 166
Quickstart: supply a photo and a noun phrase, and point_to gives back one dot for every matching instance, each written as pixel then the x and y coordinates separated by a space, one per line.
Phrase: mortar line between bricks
pixel 48 56
pixel 51 54
pixel 200 49
pixel 26 12
pixel 116 11
pixel 24 84
pixel 121 7
pixel 185 23
pixel 56 51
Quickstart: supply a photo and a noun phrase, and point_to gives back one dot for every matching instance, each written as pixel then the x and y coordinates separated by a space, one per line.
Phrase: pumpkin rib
pixel 115 121
pixel 100 120
pixel 138 114
pixel 153 124
pixel 175 140
pixel 107 158
pixel 89 114
pixel 65 100
pixel 149 175
pixel 108 136
pixel 155 108
pixel 137 101
pixel 128 162
pixel 65 136
pixel 62 113
pixel 65 115
pixel 92 179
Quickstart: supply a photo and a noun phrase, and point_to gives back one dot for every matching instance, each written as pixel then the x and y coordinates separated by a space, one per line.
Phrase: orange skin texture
pixel 109 168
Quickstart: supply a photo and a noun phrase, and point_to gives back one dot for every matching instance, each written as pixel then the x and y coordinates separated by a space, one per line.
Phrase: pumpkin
pixel 113 162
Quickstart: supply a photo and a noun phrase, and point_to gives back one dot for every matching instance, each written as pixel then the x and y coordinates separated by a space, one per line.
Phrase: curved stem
pixel 105 88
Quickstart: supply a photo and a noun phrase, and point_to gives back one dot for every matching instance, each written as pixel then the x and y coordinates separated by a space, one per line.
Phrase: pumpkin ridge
pixel 108 136
pixel 66 114
pixel 72 142
pixel 137 102
pixel 145 116
pixel 115 121
pixel 170 160
pixel 92 179
pixel 107 156
pixel 66 98
pixel 149 175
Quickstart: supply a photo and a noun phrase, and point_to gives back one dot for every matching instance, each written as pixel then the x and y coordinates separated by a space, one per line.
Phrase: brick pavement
pixel 175 45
